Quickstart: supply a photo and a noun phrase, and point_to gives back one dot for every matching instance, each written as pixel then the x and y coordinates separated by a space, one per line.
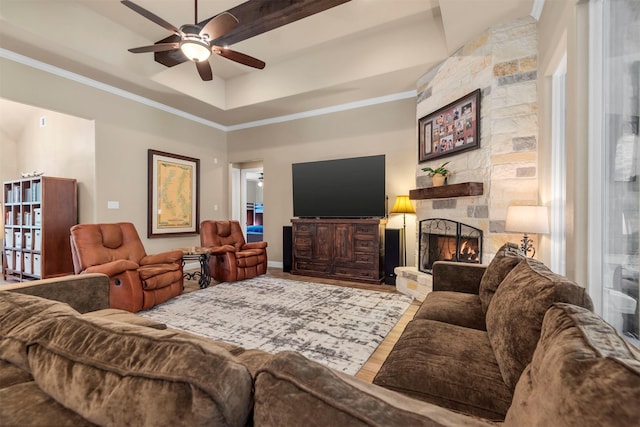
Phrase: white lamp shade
pixel 527 219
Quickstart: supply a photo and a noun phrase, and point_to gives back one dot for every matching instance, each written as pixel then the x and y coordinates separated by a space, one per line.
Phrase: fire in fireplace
pixel 446 240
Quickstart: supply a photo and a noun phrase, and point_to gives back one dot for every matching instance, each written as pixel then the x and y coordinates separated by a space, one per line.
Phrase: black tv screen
pixel 344 188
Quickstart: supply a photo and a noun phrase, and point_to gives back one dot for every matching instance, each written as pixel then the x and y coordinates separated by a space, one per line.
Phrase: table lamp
pixel 403 206
pixel 527 219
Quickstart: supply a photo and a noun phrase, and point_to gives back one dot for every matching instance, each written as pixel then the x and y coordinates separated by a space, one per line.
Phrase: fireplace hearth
pixel 446 240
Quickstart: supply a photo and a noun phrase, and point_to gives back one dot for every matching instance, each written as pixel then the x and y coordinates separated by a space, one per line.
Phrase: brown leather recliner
pixel 137 281
pixel 232 258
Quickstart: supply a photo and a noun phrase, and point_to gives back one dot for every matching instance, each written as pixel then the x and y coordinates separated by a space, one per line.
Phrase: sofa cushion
pixel 125 316
pixel 291 390
pixel 507 257
pixel 447 365
pixel 11 374
pixel 582 374
pixel 21 318
pixel 93 365
pixel 25 404
pixel 516 311
pixel 456 308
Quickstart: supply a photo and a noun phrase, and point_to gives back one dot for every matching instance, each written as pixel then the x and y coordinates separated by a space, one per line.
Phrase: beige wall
pixel 388 129
pixel 64 147
pixel 124 131
pixel 562 27
pixel 8 156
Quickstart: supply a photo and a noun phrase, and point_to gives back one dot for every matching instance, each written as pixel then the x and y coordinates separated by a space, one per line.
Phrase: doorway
pixel 247 199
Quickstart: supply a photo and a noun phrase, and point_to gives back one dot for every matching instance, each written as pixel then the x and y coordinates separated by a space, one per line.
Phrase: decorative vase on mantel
pixel 438 180
pixel 438 175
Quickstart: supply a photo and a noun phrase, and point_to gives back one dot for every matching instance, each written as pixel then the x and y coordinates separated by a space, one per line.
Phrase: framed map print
pixel 451 129
pixel 173 196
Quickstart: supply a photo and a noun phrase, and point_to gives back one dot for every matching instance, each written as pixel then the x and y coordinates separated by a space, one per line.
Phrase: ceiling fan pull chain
pixel 195 21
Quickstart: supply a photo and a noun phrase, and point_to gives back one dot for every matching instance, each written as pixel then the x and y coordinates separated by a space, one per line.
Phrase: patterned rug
pixel 337 326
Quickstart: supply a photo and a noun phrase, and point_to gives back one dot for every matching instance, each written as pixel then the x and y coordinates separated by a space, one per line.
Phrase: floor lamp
pixel 403 206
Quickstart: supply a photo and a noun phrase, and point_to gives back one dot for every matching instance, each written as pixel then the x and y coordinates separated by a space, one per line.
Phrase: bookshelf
pixel 37 215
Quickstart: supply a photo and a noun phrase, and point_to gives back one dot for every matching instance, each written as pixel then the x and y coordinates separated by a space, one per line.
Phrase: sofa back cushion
pixel 514 317
pixel 507 257
pixel 113 373
pixel 291 390
pixel 21 321
pixel 582 374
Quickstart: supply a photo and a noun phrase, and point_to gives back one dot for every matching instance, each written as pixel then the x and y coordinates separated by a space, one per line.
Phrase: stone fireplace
pixel 447 240
pixel 502 62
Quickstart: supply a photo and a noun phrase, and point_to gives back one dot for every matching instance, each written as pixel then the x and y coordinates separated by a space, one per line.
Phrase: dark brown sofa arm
pixel 84 292
pixel 457 276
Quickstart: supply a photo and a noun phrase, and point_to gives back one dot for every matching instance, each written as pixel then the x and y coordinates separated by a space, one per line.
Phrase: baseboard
pixel 196 265
pixel 192 266
pixel 275 264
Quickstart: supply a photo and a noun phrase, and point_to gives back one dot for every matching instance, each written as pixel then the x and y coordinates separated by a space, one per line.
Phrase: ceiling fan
pixel 197 43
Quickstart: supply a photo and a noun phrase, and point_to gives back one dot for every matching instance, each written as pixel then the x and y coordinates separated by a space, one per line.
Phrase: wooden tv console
pixel 348 249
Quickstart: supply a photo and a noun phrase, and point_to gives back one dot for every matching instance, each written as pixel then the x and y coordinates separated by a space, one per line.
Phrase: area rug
pixel 339 327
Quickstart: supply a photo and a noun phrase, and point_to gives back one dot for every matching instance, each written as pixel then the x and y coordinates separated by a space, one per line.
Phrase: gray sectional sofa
pixel 67 359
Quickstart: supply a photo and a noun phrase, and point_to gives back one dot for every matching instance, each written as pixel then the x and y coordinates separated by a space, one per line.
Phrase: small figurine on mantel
pixel 31 174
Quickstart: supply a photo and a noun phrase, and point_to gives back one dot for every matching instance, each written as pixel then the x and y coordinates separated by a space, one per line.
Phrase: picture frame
pixel 173 195
pixel 451 129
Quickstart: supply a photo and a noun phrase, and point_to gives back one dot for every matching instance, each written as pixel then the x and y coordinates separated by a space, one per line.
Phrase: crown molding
pixel 60 72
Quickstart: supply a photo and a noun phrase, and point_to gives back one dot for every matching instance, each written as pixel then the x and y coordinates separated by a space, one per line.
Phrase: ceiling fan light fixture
pixel 194 48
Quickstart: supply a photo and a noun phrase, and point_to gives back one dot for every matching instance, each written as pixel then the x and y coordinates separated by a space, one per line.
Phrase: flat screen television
pixel 343 188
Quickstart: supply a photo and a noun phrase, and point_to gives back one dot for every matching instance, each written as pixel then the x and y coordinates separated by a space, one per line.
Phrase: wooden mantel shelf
pixel 447 191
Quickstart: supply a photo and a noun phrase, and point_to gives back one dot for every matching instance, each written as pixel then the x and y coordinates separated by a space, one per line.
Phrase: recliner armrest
pixel 162 258
pixel 457 276
pixel 113 268
pixel 254 245
pixel 219 250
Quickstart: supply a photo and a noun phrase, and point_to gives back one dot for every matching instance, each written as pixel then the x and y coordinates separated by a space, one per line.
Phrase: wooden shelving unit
pixel 447 191
pixel 37 215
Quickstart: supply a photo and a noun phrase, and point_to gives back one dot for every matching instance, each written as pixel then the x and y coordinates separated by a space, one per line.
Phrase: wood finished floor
pixel 372 366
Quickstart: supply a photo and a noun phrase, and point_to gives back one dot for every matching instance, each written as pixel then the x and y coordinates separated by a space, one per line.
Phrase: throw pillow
pixel 507 257
pixel 514 317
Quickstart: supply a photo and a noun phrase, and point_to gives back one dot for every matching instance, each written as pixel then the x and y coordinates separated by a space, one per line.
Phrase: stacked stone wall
pixel 502 62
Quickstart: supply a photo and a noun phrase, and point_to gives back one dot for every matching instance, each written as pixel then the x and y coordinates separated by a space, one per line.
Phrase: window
pixel 558 169
pixel 614 186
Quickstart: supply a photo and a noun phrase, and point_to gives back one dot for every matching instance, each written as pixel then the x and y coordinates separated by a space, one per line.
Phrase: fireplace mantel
pixel 447 191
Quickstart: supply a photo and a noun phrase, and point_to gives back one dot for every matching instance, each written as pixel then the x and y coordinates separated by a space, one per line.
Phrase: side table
pixel 196 253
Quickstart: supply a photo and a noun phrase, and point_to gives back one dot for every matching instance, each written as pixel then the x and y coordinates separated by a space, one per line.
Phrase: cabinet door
pixel 322 243
pixel 343 243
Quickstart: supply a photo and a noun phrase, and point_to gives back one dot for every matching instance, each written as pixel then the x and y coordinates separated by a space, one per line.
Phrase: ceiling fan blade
pixel 219 25
pixel 150 16
pixel 204 69
pixel 160 47
pixel 239 57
